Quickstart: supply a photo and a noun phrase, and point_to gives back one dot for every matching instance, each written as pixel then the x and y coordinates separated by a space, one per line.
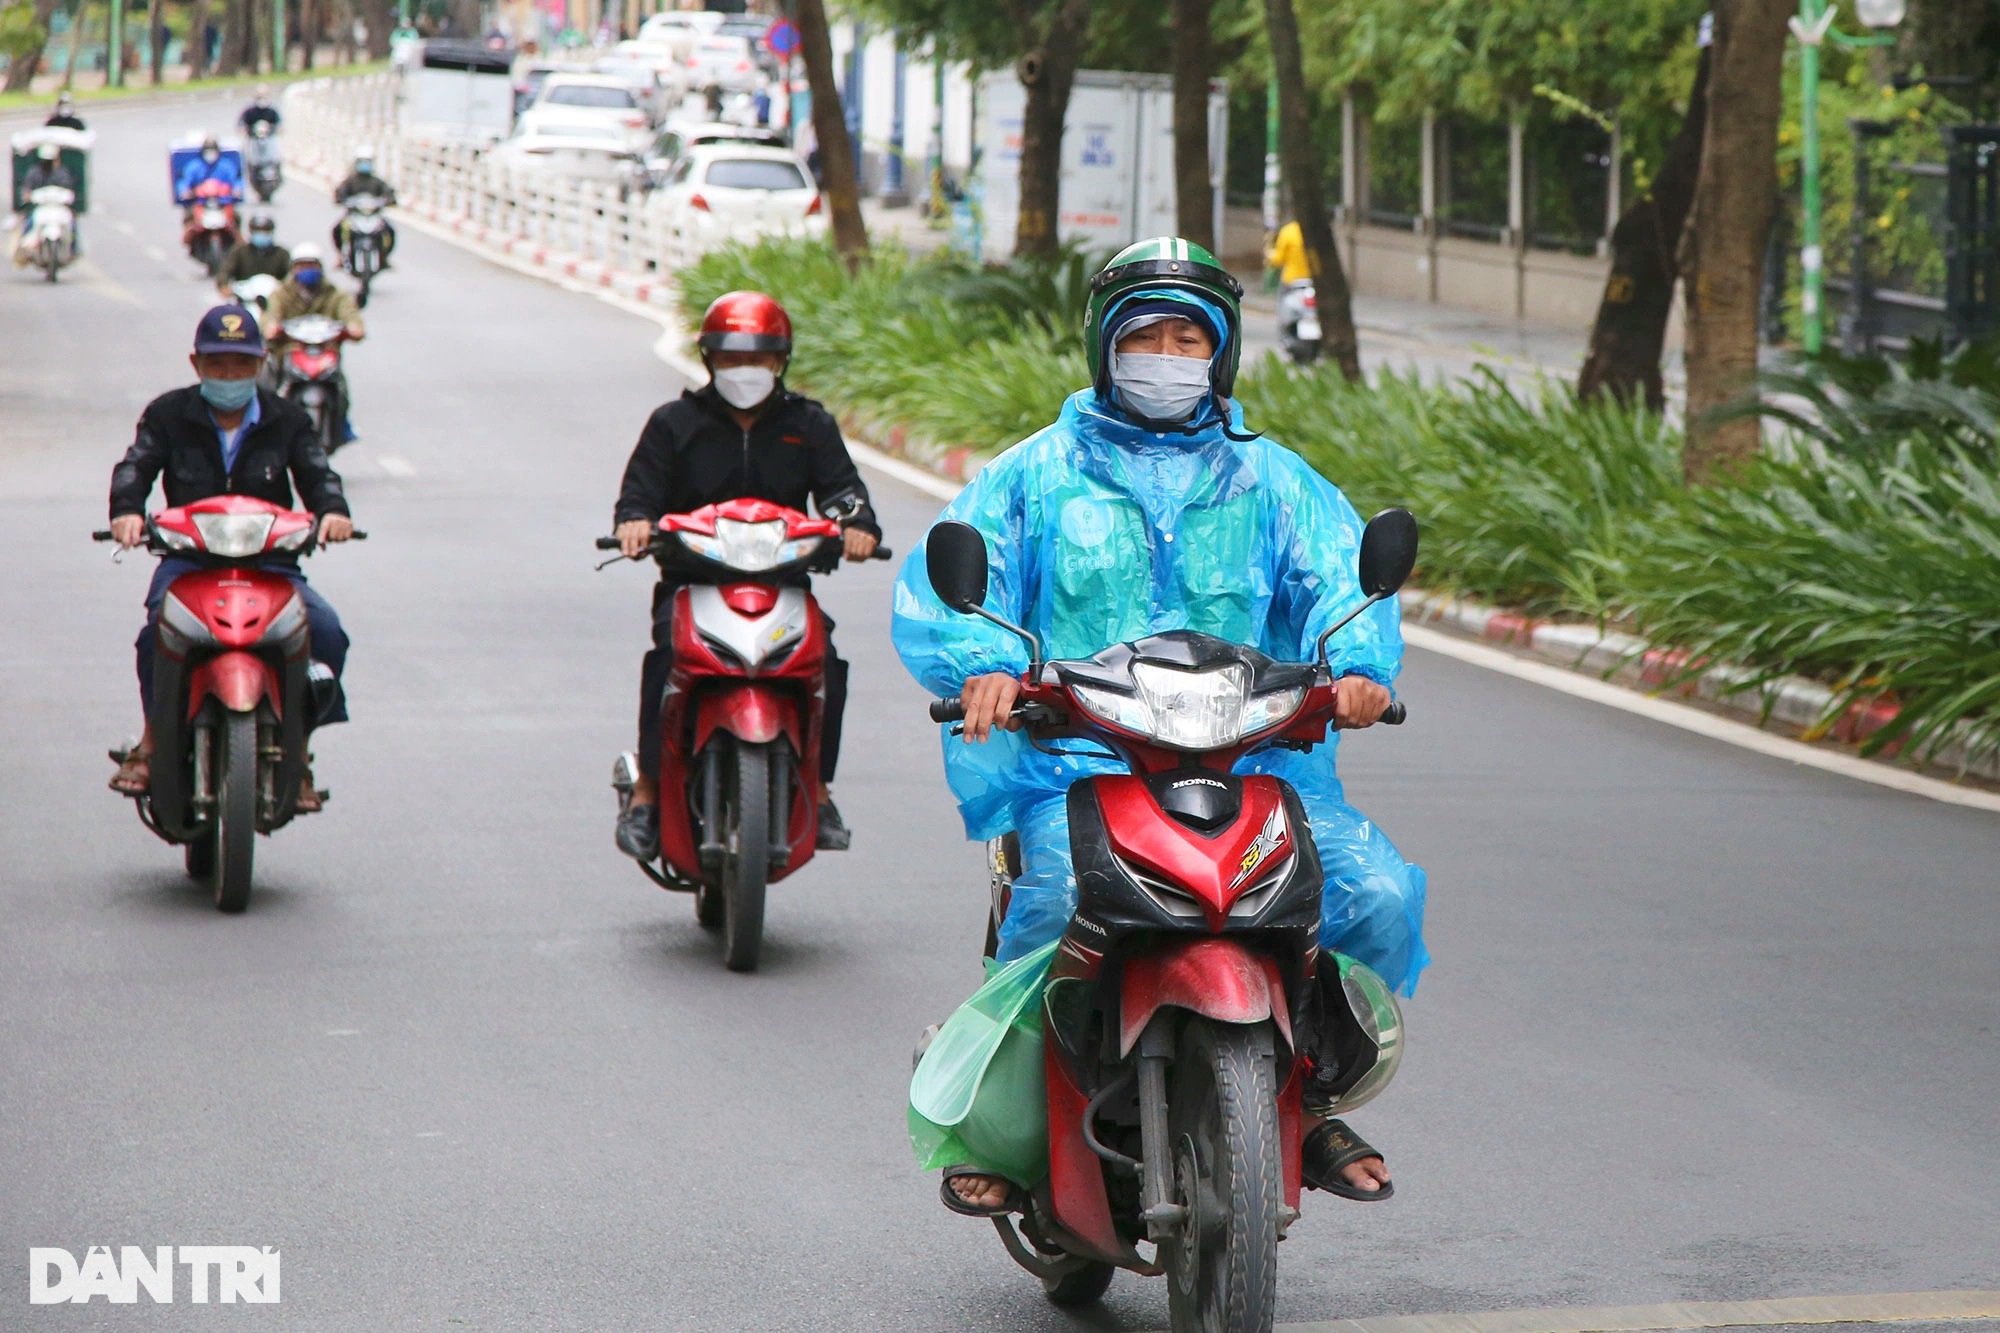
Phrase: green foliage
pixel 1512 489
pixel 1871 407
pixel 20 35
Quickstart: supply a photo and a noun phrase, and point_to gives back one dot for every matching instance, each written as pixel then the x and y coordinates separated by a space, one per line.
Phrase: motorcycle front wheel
pixel 747 866
pixel 235 811
pixel 1222 1126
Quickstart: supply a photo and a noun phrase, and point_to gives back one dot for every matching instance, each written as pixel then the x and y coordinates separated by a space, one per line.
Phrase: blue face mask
pixel 228 395
pixel 262 242
pixel 309 278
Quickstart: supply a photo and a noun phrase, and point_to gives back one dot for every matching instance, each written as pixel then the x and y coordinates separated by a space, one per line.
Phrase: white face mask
pixel 744 387
pixel 1160 388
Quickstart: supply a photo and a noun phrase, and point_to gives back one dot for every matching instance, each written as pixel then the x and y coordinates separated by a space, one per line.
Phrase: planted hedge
pixel 1870 564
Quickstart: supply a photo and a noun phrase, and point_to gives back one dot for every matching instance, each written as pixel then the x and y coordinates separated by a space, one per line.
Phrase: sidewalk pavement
pixel 1405 336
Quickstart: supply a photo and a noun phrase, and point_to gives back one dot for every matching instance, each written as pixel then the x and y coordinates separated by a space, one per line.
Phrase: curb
pixel 1794 702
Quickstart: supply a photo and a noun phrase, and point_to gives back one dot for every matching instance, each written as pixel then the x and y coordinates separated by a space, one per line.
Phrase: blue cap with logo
pixel 228 329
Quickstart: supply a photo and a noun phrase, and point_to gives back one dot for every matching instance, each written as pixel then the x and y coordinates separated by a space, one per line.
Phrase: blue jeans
pixel 1372 908
pixel 328 639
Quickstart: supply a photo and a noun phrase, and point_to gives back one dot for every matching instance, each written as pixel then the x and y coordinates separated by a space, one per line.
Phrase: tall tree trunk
pixel 309 25
pixel 1299 159
pixel 229 52
pixel 1049 71
pixel 76 14
pixel 24 69
pixel 380 16
pixel 1722 247
pixel 156 42
pixel 1194 198
pixel 836 149
pixel 1631 328
pixel 197 40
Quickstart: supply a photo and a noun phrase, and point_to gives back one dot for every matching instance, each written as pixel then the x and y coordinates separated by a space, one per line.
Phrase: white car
pixel 673 28
pixel 728 63
pixel 658 93
pixel 726 192
pixel 592 100
pixel 567 152
pixel 672 142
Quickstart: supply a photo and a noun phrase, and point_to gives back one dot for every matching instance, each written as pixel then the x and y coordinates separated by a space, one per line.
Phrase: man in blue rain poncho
pixel 1149 507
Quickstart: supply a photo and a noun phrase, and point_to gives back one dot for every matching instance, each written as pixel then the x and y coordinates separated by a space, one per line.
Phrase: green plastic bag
pixel 978 1098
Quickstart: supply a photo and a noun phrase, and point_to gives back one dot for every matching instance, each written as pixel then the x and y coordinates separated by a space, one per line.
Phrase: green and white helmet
pixel 1165 267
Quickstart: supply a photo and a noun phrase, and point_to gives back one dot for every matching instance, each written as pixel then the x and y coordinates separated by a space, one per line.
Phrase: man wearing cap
pixel 64 117
pixel 307 292
pixel 225 435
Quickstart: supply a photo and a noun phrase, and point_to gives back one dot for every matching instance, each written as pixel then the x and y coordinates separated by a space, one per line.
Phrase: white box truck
pixel 458 92
pixel 1117 159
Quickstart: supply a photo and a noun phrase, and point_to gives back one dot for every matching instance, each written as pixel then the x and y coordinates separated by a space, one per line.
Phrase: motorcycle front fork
pixel 1162 1216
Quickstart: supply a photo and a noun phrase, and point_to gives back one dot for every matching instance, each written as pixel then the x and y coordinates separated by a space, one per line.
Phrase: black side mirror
pixel 1388 551
pixel 955 559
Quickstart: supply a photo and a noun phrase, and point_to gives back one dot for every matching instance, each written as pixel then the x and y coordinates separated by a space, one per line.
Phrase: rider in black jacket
pixel 225 435
pixel 741 435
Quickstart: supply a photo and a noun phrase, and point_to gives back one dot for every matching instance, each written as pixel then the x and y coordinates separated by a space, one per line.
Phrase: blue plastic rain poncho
pixel 1100 532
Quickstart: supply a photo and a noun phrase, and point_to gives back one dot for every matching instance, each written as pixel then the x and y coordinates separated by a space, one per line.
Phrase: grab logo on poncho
pixel 1087 522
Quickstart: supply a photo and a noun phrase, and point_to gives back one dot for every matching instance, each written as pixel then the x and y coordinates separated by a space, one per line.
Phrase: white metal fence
pixel 327 119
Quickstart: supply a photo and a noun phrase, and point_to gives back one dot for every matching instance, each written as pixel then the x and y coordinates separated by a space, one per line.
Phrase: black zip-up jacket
pixel 692 453
pixel 177 442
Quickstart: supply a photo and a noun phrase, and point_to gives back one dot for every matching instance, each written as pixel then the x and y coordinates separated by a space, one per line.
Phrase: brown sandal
pixel 311 798
pixel 135 773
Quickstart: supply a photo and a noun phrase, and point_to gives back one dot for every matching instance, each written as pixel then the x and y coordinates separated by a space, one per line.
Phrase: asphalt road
pixel 1702 1025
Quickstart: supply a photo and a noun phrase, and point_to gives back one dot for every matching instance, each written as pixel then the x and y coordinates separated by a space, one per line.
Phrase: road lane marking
pixel 125 227
pixel 396 467
pixel 1740 734
pixel 154 253
pixel 1688 718
pixel 1894 1308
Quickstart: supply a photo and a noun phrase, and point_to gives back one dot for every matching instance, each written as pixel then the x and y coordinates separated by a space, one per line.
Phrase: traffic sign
pixel 783 37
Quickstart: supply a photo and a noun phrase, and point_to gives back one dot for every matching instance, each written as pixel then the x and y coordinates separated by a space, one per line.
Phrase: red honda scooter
pixel 209 230
pixel 740 725
pixel 1184 1004
pixel 233 684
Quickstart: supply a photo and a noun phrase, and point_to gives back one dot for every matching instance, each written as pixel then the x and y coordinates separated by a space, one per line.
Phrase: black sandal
pixel 1012 1204
pixel 1329 1148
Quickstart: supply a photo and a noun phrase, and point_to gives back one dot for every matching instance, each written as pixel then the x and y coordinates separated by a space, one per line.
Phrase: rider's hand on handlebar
pixel 635 536
pixel 128 530
pixel 1359 702
pixel 859 545
pixel 989 703
pixel 335 528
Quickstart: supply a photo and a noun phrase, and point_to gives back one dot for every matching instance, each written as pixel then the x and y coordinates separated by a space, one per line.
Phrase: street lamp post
pixel 1812 27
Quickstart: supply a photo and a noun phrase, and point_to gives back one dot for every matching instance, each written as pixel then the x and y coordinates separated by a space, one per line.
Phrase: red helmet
pixel 745 322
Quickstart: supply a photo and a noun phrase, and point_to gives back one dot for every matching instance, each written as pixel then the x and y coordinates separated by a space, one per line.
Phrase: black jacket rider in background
pixel 363 180
pixel 693 453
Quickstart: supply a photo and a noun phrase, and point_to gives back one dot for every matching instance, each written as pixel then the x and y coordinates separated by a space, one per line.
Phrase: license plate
pixel 1309 330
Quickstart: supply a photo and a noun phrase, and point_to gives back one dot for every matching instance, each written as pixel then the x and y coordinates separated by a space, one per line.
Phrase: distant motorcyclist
pixel 743 434
pixel 1148 506
pixel 260 110
pixel 1287 254
pixel 308 292
pixel 64 117
pixel 259 254
pixel 363 180
pixel 224 435
pixel 211 164
pixel 46 170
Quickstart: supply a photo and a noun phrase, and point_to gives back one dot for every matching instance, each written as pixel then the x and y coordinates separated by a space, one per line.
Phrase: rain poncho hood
pixel 1098 532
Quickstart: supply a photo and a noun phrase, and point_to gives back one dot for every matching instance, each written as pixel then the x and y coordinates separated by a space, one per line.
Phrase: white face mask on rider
pixel 743 387
pixel 1160 388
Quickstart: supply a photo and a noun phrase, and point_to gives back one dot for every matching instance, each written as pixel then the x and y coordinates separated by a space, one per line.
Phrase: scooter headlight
pixel 294 541
pixel 1191 710
pixel 233 535
pixel 751 547
pixel 174 541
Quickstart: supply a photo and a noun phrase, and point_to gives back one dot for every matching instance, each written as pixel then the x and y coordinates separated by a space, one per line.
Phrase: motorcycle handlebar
pixel 612 544
pixel 948 710
pixel 1395 715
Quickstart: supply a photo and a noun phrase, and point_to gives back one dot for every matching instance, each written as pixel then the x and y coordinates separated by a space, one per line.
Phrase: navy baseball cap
pixel 228 329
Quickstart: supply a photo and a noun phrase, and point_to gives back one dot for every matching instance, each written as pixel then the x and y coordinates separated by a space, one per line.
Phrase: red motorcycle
pixel 1184 1005
pixel 209 228
pixel 740 724
pixel 309 375
pixel 233 684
